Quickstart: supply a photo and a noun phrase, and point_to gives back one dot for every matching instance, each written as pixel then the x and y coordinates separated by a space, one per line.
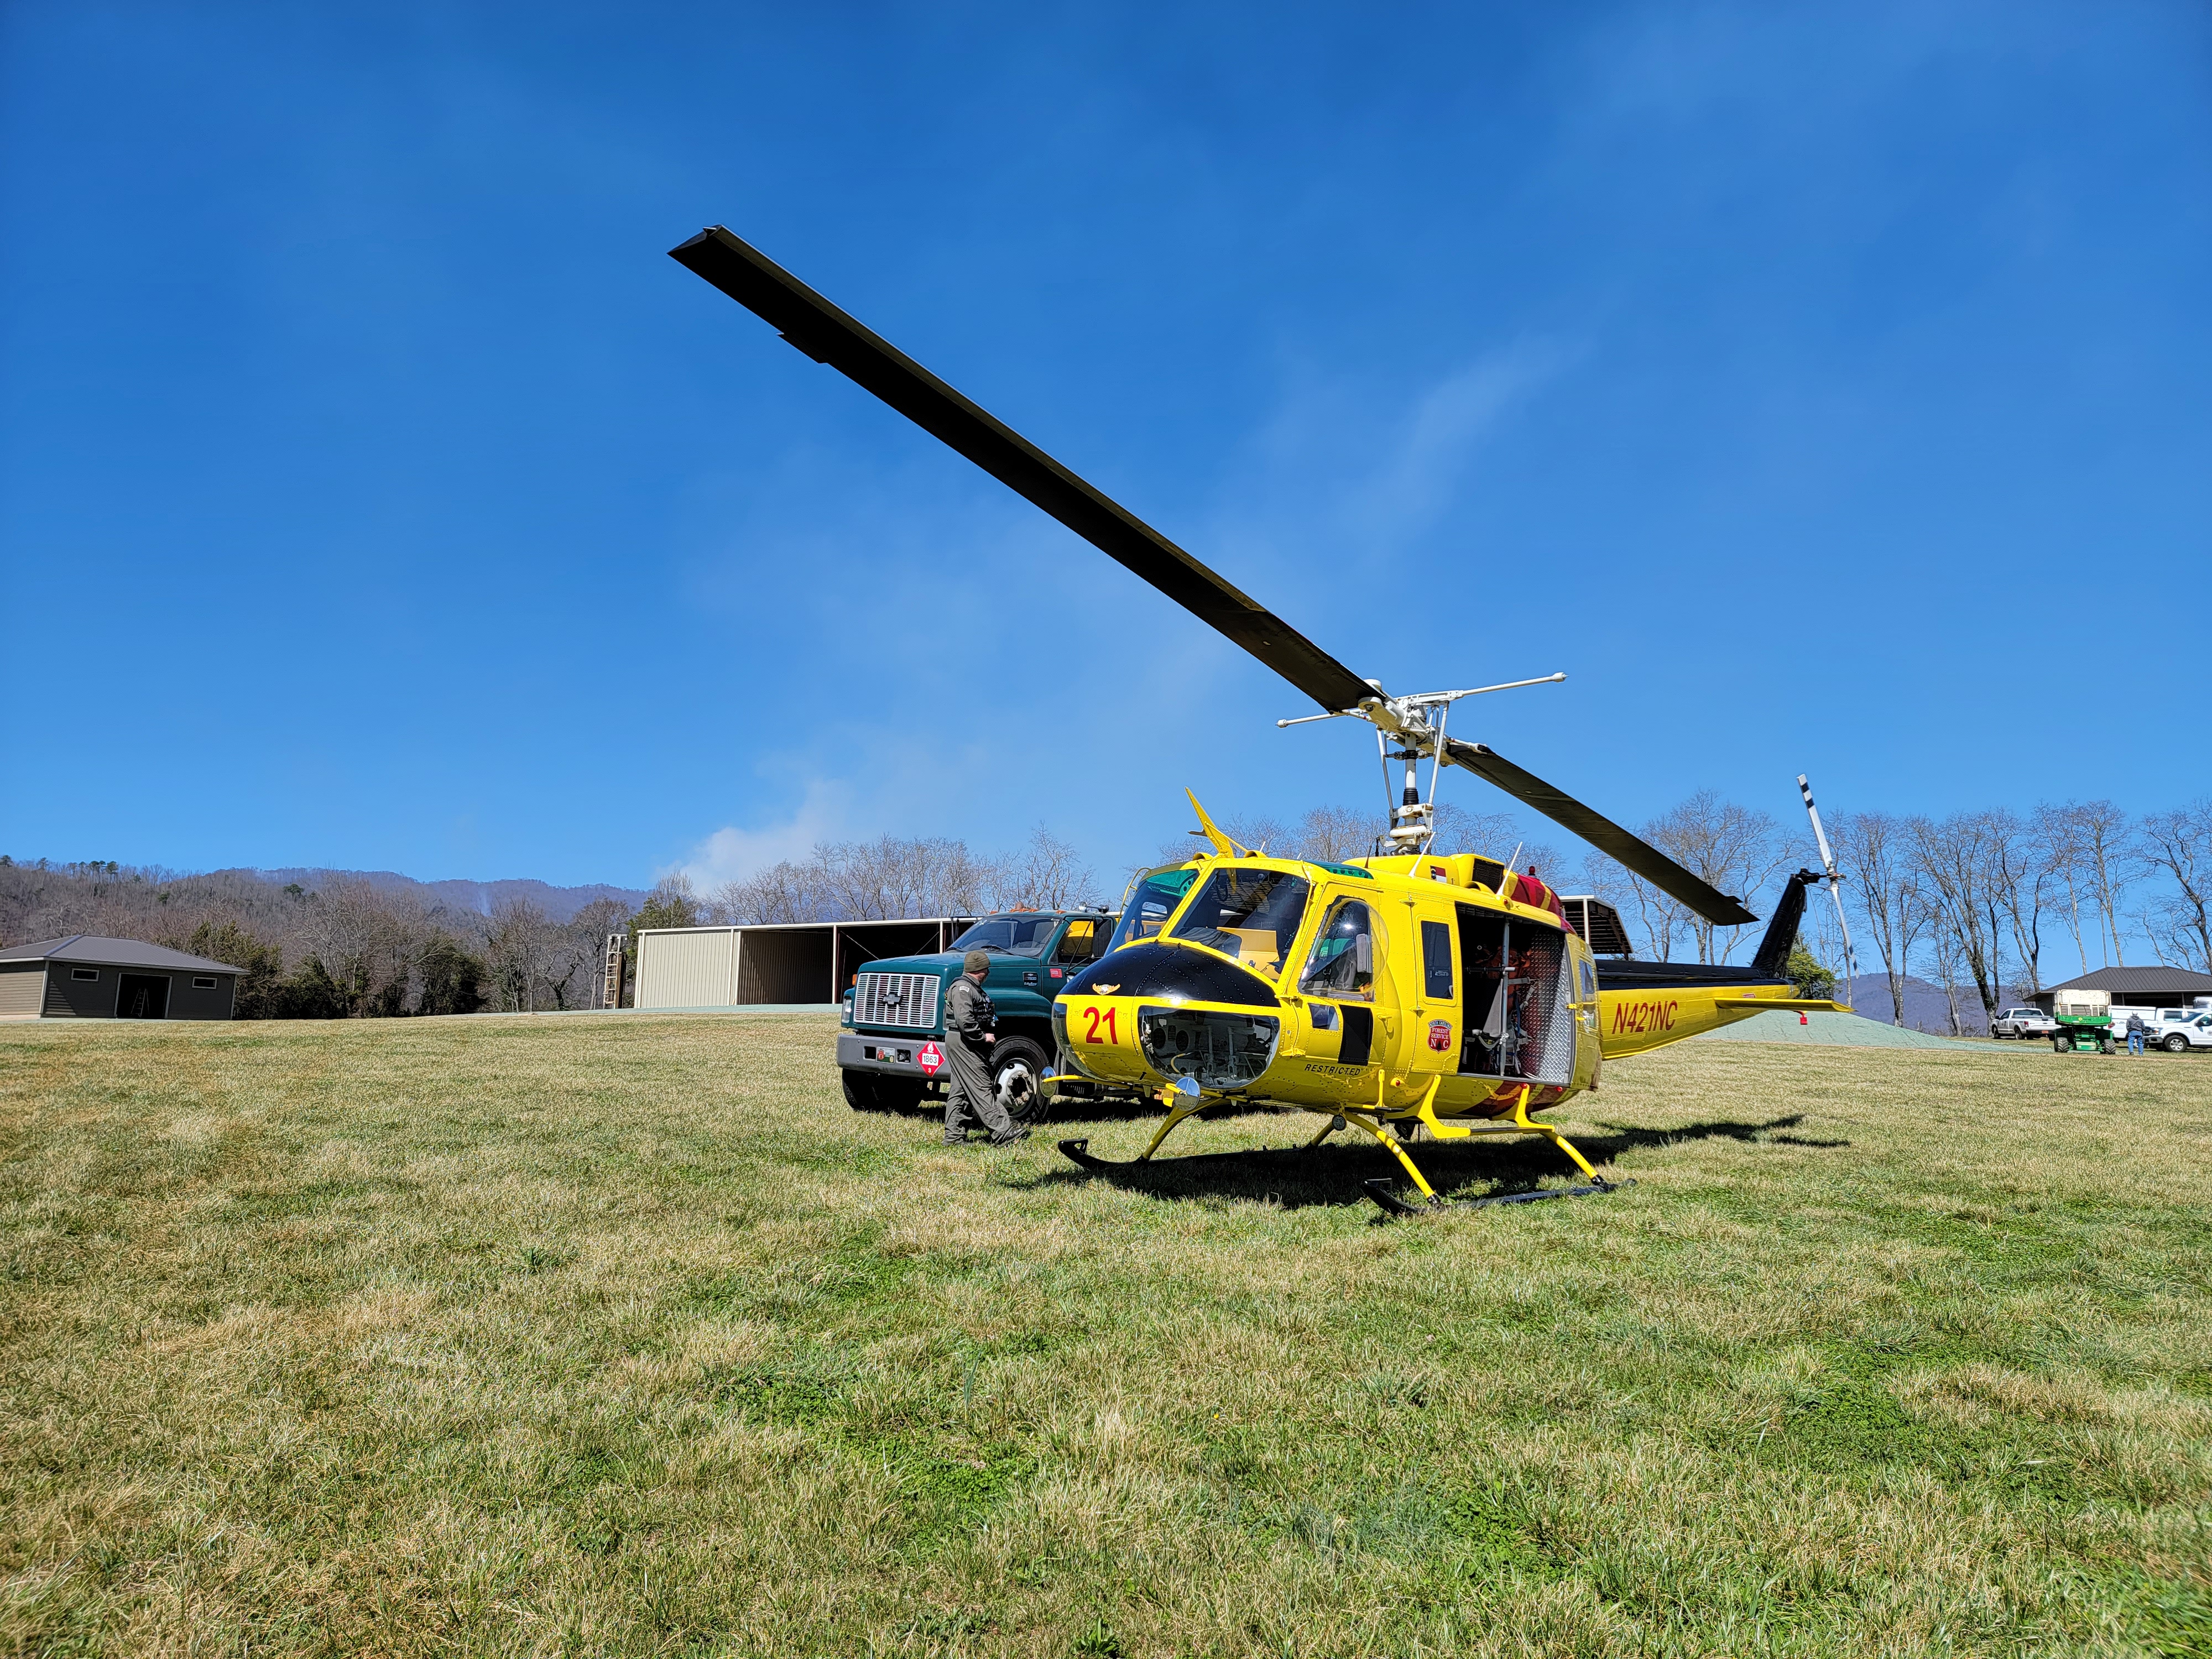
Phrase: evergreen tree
pixel 260 991
pixel 452 978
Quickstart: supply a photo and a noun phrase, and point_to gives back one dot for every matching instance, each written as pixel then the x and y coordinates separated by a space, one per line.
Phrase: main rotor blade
pixel 1602 833
pixel 829 336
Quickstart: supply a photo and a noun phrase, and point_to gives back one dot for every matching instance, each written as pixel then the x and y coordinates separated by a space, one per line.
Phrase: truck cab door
pixel 1078 945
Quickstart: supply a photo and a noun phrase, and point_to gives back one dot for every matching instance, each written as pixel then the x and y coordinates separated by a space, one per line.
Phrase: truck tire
pixel 2174 1043
pixel 2059 1044
pixel 1016 1064
pixel 860 1091
pixel 898 1094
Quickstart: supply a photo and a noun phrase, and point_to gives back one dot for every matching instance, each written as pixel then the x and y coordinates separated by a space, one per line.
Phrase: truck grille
pixel 908 999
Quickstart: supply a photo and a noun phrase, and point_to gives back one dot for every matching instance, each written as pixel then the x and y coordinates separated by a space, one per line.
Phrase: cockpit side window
pixel 1249 914
pixel 1151 900
pixel 1341 964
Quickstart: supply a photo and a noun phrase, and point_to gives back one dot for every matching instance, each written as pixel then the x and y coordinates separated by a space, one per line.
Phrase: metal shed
pixel 805 962
pixel 84 977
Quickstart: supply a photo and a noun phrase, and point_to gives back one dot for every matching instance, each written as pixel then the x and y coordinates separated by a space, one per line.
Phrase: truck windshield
pixel 1009 936
pixel 1249 914
pixel 1151 900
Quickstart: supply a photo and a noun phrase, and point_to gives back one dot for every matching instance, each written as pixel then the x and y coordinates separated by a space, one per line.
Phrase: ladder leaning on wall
pixel 611 997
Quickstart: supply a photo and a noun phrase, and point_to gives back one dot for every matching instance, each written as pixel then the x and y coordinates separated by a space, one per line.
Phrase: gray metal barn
pixel 82 977
pixel 806 961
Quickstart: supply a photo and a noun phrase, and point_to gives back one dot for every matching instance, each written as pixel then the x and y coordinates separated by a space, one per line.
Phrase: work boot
pixel 1016 1132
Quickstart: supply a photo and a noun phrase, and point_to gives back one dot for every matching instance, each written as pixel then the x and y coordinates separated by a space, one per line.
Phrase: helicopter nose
pixel 1098 1037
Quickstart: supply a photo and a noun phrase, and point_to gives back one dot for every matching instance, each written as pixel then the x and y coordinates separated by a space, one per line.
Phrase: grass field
pixel 623 1335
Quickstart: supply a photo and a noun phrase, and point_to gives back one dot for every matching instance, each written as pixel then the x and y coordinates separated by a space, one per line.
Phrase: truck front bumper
pixel 863 1051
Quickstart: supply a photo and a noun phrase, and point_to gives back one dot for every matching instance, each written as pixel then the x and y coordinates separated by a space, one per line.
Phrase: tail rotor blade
pixel 1600 832
pixel 829 336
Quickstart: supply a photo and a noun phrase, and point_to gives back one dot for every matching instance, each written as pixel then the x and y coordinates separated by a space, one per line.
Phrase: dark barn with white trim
pixel 82 977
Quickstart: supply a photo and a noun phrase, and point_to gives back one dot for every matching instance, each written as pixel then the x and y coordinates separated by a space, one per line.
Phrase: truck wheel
pixel 860 1091
pixel 1016 1064
pixel 2174 1043
pixel 2058 1044
pixel 898 1094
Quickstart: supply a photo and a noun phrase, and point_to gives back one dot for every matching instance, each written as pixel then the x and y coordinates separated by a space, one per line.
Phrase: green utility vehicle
pixel 891 1049
pixel 2085 1022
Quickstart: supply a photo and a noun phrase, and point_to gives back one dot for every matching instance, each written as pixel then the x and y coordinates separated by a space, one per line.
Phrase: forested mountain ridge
pixel 483 897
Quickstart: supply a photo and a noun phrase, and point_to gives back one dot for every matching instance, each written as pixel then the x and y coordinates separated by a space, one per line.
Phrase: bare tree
pixel 1943 951
pixel 2107 862
pixel 1492 835
pixel 1046 875
pixel 2018 892
pixel 783 892
pixel 1733 848
pixel 1330 834
pixel 1656 916
pixel 520 950
pixel 366 942
pixel 575 953
pixel 2057 845
pixel 1875 851
pixel 1957 857
pixel 2179 844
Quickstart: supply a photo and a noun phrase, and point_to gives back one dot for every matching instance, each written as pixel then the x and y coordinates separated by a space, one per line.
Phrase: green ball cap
pixel 975 962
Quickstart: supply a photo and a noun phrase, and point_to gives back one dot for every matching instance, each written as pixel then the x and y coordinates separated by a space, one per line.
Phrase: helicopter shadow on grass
pixel 1293 1177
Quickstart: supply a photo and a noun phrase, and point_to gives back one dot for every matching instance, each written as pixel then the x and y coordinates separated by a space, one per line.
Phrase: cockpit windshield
pixel 1151 900
pixel 1249 914
pixel 1009 936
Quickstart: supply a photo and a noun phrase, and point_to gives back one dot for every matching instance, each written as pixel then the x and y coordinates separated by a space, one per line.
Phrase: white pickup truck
pixel 2022 1022
pixel 2177 1030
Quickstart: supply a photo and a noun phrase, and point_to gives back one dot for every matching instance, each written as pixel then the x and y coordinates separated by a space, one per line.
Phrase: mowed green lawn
pixel 625 1335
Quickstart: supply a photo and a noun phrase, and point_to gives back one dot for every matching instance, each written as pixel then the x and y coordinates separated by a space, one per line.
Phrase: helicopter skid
pixel 1384 1192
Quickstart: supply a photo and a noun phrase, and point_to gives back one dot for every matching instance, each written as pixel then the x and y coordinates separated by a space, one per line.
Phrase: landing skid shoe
pixel 1385 1193
pixel 1078 1152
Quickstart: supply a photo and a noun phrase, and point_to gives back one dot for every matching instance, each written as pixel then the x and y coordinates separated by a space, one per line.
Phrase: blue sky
pixel 1823 388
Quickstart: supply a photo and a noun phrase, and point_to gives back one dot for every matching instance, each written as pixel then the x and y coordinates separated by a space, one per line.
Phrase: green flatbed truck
pixel 890 1045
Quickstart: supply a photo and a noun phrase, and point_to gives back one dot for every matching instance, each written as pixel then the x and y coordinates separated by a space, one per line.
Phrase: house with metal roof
pixel 82 977
pixel 2137 987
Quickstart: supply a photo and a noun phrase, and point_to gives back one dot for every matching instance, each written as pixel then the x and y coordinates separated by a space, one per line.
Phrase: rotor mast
pixel 1418 723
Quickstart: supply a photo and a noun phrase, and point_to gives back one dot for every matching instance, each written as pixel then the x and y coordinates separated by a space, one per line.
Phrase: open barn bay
pixel 623 1335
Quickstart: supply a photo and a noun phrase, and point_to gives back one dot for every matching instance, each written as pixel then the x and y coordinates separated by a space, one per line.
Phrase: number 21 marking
pixel 1095 1014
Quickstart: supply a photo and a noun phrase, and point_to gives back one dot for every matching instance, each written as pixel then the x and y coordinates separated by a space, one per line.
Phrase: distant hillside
pixel 1926 1008
pixel 479 897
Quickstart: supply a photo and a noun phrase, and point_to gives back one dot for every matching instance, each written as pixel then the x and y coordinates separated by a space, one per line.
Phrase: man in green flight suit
pixel 969 1017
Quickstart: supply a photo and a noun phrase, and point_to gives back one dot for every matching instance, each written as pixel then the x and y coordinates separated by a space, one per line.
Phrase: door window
pixel 1436 958
pixel 1080 942
pixel 1341 963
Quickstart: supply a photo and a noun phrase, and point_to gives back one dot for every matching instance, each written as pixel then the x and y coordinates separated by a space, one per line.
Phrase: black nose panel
pixel 1171 971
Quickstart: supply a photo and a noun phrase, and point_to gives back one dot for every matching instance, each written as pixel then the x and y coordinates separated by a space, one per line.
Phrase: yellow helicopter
pixel 1409 993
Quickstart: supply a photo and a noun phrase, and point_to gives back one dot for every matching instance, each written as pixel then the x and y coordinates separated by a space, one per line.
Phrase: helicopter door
pixel 1340 977
pixel 1520 1026
pixel 1590 1047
